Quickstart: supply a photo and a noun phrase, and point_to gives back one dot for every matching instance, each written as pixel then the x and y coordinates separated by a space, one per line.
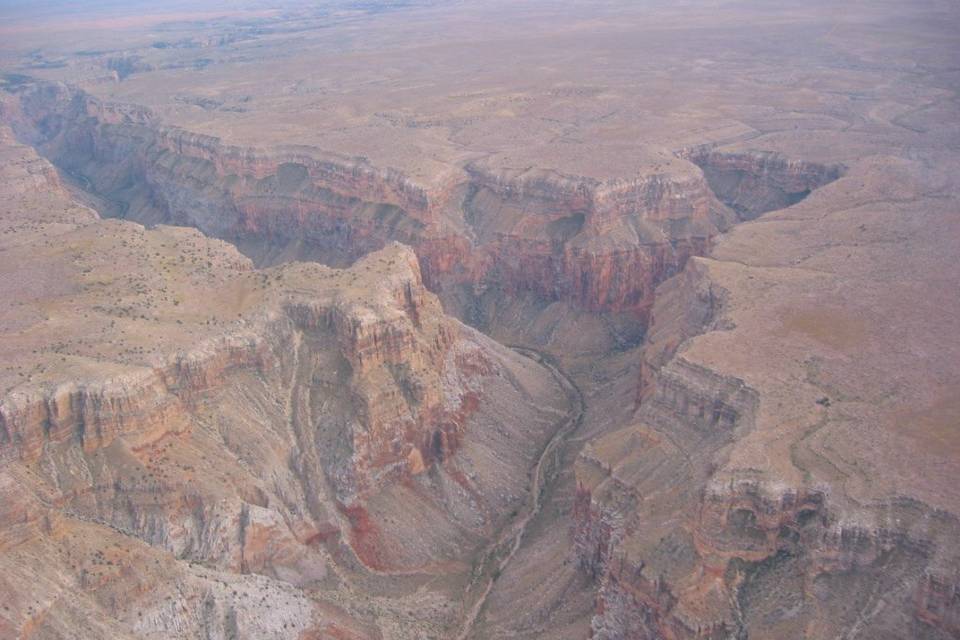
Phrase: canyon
pixel 327 323
pixel 336 396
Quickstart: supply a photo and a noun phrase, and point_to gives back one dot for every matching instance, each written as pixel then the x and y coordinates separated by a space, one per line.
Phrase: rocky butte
pixel 476 320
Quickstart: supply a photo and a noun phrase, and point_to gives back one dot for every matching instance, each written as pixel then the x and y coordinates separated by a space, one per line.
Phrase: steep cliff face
pixel 714 562
pixel 410 411
pixel 758 417
pixel 239 434
pixel 603 247
pixel 600 245
pixel 153 173
pixel 752 183
pixel 746 497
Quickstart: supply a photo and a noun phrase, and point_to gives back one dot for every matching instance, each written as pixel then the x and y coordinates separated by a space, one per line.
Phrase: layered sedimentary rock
pixel 603 245
pixel 775 458
pixel 753 182
pixel 485 231
pixel 750 496
pixel 599 245
pixel 238 434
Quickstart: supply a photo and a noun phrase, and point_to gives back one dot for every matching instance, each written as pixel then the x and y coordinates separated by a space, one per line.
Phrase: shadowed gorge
pixel 488 234
pixel 479 320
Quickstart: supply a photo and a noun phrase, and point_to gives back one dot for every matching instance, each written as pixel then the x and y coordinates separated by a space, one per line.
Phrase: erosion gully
pixel 498 553
pixel 493 560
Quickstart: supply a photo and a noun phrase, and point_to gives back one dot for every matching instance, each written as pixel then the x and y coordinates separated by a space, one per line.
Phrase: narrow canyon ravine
pixel 493 560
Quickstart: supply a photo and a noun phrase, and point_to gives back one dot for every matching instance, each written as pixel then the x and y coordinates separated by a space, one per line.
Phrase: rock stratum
pixel 184 438
pixel 487 232
pixel 752 490
pixel 262 267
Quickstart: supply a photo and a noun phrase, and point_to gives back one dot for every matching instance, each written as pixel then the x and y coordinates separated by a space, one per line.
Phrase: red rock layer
pixel 734 532
pixel 158 401
pixel 727 537
pixel 601 246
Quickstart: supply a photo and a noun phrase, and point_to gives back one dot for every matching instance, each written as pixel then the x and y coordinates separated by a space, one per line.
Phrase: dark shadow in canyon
pixel 545 291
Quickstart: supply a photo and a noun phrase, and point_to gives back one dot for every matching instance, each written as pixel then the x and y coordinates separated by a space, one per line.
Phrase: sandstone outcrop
pixel 753 182
pixel 249 432
pixel 691 522
pixel 729 239
pixel 485 232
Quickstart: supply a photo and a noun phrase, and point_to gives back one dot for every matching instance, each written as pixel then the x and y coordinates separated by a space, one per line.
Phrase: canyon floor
pixel 471 320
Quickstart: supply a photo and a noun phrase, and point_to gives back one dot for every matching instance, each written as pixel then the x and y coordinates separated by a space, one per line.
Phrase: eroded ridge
pixel 726 237
pixel 239 435
pixel 489 232
pixel 778 502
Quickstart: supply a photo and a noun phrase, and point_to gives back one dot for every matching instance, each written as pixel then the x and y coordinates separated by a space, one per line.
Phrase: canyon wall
pixel 679 546
pixel 485 231
pixel 179 427
pixel 752 183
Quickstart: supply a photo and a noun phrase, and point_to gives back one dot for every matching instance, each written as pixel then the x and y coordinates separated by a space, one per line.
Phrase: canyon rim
pixel 420 319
